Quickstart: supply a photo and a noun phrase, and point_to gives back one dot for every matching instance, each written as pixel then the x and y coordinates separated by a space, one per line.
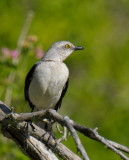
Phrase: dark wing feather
pixel 58 105
pixel 27 84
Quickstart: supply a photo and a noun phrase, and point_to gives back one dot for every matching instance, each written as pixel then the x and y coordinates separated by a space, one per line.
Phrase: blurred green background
pixel 98 93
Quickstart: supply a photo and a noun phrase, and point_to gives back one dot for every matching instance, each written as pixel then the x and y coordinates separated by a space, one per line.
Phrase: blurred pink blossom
pixel 6 52
pixel 39 53
pixel 14 54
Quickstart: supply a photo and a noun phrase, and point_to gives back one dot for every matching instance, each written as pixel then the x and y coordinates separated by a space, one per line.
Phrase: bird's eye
pixel 67 46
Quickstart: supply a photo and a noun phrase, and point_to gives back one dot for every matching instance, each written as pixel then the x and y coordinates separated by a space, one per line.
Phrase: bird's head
pixel 59 51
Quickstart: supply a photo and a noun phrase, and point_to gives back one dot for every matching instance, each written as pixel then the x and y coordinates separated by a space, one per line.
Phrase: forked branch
pixel 28 135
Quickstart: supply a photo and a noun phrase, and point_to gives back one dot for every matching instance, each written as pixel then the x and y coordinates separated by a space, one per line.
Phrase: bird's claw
pixel 27 125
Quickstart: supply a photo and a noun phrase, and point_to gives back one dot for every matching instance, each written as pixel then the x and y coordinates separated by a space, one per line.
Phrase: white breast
pixel 47 84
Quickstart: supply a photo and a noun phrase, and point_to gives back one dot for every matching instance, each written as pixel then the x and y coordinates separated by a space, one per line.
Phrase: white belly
pixel 47 84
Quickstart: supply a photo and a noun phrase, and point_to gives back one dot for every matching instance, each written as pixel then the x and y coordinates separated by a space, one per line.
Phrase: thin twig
pixel 11 77
pixel 119 146
pixel 76 138
pixel 24 31
pixel 107 144
pixel 8 92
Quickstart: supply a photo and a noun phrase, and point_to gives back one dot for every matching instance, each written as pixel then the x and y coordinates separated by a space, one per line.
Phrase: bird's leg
pixel 48 128
pixel 48 125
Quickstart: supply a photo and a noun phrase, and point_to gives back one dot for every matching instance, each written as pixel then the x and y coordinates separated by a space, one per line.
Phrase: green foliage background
pixel 98 94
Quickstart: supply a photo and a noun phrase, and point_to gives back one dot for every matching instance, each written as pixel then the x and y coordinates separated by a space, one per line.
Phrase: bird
pixel 47 81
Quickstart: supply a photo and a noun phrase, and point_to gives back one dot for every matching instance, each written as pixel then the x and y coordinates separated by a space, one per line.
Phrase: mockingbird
pixel 47 81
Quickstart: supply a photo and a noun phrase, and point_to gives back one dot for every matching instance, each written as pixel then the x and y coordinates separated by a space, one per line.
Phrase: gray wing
pixel 27 84
pixel 58 105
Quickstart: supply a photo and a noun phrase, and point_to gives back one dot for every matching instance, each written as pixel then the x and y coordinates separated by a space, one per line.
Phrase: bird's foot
pixel 49 136
pixel 48 125
pixel 29 123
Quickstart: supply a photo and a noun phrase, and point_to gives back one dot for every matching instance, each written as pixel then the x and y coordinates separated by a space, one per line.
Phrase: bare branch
pixel 107 144
pixel 29 145
pixel 21 133
pixel 53 115
pixel 76 138
pixel 119 146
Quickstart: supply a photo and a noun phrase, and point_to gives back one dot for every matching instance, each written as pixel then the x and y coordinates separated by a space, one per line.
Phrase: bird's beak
pixel 78 48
